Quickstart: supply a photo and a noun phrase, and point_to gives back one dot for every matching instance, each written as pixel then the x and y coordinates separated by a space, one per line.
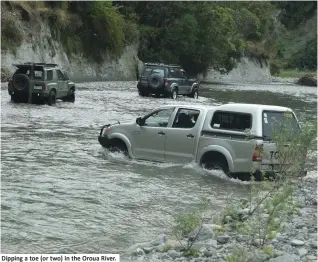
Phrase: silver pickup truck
pixel 229 137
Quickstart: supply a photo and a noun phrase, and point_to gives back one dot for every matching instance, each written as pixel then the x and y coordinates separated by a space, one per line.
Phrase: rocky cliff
pixel 247 70
pixel 38 45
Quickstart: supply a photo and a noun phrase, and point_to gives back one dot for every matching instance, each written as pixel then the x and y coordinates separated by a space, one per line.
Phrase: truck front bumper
pixel 104 141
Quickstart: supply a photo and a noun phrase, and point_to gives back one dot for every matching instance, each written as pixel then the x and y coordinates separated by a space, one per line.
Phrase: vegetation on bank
pixel 260 216
pixel 197 35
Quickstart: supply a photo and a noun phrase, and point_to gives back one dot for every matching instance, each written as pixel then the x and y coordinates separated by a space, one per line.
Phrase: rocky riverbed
pixel 296 240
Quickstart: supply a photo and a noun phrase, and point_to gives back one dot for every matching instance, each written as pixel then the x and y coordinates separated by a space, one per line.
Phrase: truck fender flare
pixel 125 140
pixel 172 86
pixel 219 149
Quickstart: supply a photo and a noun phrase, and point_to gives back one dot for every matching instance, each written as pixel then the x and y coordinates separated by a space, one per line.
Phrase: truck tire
pixel 155 81
pixel 117 145
pixel 174 93
pixel 216 161
pixel 51 100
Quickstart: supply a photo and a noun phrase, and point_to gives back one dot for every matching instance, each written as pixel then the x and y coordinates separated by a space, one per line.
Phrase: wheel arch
pixel 217 150
pixel 122 138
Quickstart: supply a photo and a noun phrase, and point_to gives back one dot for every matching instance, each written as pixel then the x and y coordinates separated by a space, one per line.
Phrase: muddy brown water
pixel 62 193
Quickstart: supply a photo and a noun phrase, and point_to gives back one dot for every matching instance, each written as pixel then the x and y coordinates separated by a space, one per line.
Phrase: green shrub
pixel 186 223
pixel 192 252
pixel 269 251
pixel 274 68
pixel 238 255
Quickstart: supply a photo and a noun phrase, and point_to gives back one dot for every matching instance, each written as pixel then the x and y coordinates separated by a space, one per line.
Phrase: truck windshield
pixel 275 122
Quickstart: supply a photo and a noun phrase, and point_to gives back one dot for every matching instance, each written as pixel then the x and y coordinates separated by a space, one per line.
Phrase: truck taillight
pixel 166 84
pixel 257 154
pixel 43 86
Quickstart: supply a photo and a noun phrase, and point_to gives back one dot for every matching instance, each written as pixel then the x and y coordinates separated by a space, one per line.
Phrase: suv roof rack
pixel 155 64
pixel 161 64
pixel 37 64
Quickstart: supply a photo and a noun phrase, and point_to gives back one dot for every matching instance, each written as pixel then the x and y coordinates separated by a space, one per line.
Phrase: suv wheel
pixel 195 94
pixel 70 97
pixel 174 93
pixel 14 98
pixel 51 100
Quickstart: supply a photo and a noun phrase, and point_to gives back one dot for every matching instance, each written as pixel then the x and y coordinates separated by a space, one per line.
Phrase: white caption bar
pixel 59 257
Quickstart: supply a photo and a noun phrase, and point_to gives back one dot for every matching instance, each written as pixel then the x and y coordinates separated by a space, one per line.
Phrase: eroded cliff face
pixel 38 45
pixel 247 70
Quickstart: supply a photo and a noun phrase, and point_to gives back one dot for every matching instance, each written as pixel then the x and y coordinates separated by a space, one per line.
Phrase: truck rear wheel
pixel 195 94
pixel 51 100
pixel 215 161
pixel 174 93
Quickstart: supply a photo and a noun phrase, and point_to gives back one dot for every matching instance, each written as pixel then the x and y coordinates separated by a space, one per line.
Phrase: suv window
pixel 178 73
pixel 159 118
pixel 184 74
pixel 49 75
pixel 231 121
pixel 172 72
pixel 186 118
pixel 279 122
pixel 60 75
pixel 154 70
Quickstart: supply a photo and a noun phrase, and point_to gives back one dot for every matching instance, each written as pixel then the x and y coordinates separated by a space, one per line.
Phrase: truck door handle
pixel 161 133
pixel 190 136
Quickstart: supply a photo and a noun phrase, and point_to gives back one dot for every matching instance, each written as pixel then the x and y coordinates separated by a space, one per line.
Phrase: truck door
pixel 182 137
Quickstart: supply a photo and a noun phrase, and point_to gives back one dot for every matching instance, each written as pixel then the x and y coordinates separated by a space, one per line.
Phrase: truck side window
pixel 60 75
pixel 49 75
pixel 186 118
pixel 231 121
pixel 159 118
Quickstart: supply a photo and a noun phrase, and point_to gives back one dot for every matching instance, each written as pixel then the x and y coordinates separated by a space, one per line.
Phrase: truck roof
pixel 190 106
pixel 250 107
pixel 240 107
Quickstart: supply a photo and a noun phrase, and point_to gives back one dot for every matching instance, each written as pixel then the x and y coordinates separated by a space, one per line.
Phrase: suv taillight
pixel 257 155
pixel 166 83
pixel 43 86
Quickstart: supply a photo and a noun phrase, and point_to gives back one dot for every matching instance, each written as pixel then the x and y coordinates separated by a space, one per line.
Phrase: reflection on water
pixel 62 193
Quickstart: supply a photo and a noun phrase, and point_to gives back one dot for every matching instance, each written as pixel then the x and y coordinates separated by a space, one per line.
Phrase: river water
pixel 61 192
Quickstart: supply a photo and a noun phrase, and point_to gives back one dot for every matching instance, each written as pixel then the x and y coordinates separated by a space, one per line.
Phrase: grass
pixel 293 73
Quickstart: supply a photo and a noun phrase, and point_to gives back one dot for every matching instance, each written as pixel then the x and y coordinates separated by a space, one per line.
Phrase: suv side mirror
pixel 140 121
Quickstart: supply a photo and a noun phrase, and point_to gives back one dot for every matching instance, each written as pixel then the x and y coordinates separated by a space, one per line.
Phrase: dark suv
pixel 40 82
pixel 167 80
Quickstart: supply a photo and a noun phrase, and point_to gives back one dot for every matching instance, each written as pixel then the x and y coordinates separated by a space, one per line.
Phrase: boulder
pixel 307 80
pixel 201 233
pixel 285 258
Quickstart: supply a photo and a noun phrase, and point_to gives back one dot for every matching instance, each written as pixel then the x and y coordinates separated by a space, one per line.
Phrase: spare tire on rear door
pixel 21 82
pixel 155 81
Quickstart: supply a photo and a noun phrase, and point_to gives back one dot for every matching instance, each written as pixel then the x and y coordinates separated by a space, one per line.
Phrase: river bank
pixel 296 242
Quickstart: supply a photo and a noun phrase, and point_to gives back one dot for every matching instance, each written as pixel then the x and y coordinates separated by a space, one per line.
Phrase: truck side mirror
pixel 139 121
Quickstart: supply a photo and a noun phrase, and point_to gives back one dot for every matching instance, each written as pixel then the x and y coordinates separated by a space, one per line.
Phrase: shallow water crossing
pixel 61 192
